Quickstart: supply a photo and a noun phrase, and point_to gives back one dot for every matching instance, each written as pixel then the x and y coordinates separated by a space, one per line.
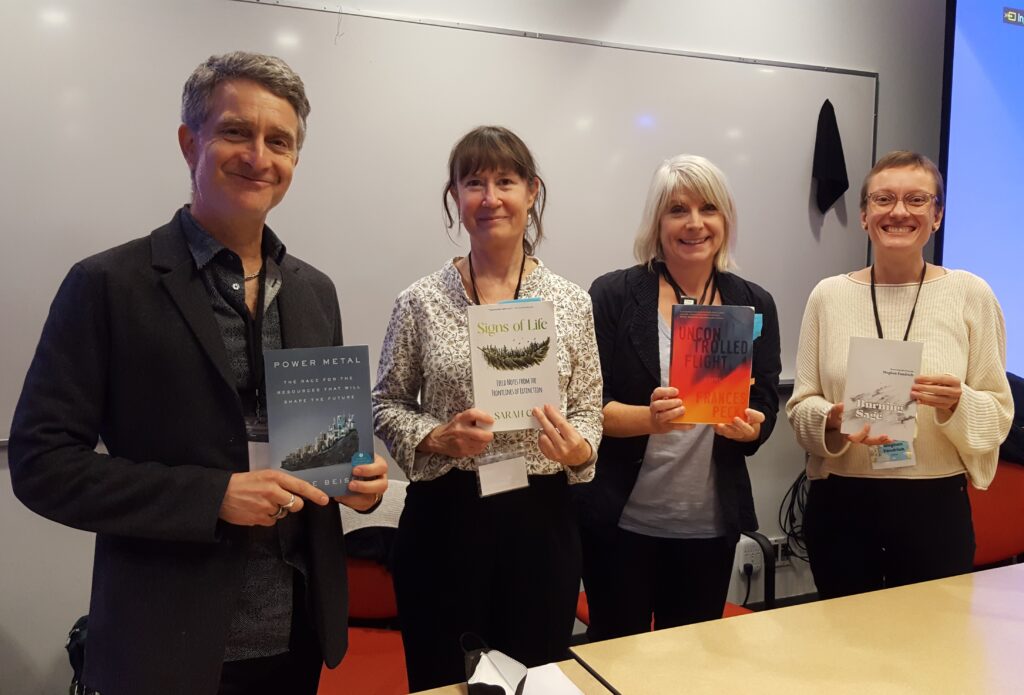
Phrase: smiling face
pixel 243 157
pixel 494 205
pixel 898 230
pixel 691 230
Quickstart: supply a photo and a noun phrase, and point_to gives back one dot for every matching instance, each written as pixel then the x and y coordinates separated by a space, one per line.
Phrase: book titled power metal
pixel 712 357
pixel 514 357
pixel 318 410
pixel 879 376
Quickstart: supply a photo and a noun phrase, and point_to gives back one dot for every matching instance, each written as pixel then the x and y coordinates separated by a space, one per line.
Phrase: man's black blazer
pixel 626 324
pixel 131 352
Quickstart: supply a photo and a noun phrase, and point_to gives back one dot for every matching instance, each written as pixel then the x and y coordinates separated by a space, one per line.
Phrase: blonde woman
pixel 661 519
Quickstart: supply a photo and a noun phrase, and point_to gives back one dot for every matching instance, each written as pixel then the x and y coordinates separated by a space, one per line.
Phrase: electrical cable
pixel 791 516
pixel 748 572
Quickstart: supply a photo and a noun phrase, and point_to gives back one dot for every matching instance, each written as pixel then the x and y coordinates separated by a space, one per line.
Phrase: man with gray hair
pixel 210 576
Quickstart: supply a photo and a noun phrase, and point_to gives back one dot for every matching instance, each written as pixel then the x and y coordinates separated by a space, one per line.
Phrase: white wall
pixel 47 568
pixel 902 40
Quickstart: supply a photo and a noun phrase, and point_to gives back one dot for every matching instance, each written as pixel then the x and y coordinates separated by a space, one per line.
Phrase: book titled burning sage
pixel 514 360
pixel 879 376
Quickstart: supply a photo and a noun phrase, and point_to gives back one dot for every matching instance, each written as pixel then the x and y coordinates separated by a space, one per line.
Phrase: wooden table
pixel 958 635
pixel 576 673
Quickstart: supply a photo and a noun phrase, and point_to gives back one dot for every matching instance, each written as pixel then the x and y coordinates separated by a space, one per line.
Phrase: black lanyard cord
pixel 712 282
pixel 874 302
pixel 472 277
pixel 256 346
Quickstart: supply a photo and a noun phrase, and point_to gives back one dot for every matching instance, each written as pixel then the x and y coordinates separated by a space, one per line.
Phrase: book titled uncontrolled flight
pixel 712 357
pixel 879 376
pixel 318 410
pixel 514 357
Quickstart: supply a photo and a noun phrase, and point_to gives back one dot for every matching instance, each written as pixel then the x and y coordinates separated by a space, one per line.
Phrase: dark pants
pixel 865 534
pixel 631 579
pixel 506 568
pixel 296 672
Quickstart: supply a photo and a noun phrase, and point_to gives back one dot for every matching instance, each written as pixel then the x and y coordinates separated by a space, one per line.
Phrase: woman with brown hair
pixel 507 566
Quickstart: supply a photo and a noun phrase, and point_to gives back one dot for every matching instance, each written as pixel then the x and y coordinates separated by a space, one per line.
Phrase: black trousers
pixel 296 671
pixel 631 579
pixel 506 568
pixel 865 534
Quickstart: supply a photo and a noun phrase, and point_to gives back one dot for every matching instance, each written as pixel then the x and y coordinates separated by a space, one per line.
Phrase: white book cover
pixel 879 376
pixel 515 361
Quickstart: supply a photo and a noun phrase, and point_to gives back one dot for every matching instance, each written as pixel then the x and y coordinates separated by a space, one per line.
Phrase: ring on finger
pixel 280 513
pixel 288 506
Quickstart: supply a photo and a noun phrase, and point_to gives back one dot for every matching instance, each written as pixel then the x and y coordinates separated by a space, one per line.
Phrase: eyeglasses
pixel 915 202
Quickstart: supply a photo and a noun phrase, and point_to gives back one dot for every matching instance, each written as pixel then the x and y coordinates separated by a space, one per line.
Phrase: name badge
pixel 259 444
pixel 892 455
pixel 500 472
pixel 259 456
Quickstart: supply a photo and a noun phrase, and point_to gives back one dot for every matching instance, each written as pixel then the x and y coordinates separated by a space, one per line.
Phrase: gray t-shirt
pixel 674 495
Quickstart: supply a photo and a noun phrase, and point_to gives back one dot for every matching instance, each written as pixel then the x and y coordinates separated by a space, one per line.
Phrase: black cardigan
pixel 626 322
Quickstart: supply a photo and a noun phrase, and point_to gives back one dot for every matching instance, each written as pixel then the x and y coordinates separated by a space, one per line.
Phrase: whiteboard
pixel 92 159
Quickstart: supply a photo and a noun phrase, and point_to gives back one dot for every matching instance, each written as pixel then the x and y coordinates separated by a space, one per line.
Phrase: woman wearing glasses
pixel 870 525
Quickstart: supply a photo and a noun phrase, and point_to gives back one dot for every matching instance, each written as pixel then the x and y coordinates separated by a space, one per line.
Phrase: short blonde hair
pixel 696 175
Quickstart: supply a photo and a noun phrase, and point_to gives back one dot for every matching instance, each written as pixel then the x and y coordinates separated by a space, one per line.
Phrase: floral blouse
pixel 424 376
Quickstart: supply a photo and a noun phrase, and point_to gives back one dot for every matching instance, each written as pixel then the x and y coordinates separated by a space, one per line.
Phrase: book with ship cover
pixel 712 356
pixel 514 357
pixel 879 375
pixel 318 411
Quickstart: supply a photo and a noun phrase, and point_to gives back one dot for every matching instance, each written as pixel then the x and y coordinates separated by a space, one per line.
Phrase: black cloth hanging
pixel 829 164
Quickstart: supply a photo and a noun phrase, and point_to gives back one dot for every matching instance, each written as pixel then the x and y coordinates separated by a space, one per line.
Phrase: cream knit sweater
pixel 961 325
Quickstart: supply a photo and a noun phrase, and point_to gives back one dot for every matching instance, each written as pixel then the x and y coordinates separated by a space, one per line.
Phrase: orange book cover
pixel 712 355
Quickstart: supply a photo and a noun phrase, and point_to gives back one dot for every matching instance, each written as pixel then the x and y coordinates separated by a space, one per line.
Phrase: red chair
pixel 731 609
pixel 998 515
pixel 375 661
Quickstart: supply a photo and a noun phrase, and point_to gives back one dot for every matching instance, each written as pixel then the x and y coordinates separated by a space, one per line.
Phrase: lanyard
pixel 874 302
pixel 712 282
pixel 255 345
pixel 472 277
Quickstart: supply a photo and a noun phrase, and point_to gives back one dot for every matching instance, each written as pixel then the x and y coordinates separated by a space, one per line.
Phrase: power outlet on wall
pixel 748 553
pixel 783 554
